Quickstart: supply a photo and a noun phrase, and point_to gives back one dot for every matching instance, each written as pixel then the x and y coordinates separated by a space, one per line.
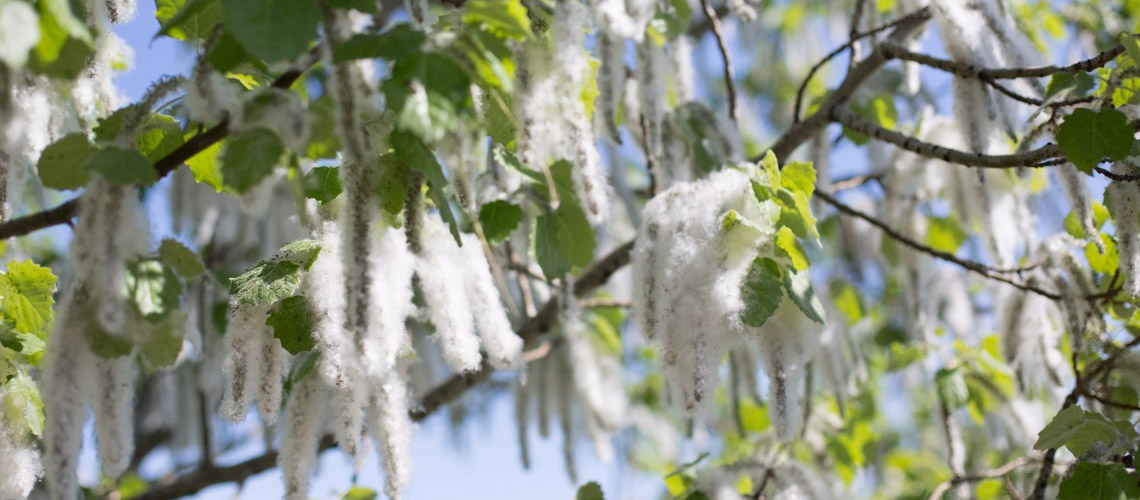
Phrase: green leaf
pixel 428 92
pixel 762 290
pixel 321 184
pixel 61 164
pixel 504 18
pixel 274 279
pixel 366 6
pixel 1106 263
pixel 65 44
pixel 1077 430
pixel 880 110
pixel 399 42
pixel 293 322
pixel 153 289
pixel 249 158
pixel 19 32
pixel 771 168
pixel 186 20
pixel 27 297
pixel 944 234
pixel 563 239
pixel 122 167
pixel 798 286
pixel 952 390
pixel 499 218
pixel 1095 481
pixel 104 344
pixel 798 176
pixel 158 136
pixel 273 30
pixel 23 410
pixel 789 246
pixel 419 157
pixel 846 300
pixel 1087 136
pixel 181 259
pixel 165 343
pixel 497 118
pixel 205 168
pixel 392 186
pixel 1078 84
pixel 795 213
pixel 590 491
pixel 360 492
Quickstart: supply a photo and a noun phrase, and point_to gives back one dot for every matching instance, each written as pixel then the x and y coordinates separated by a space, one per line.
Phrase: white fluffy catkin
pixel 597 376
pixel 438 265
pixel 68 365
pixel 303 420
pixel 21 466
pixel 392 300
pixel 113 400
pixel 392 429
pixel 1126 216
pixel 503 347
pixel 246 336
pixel 273 362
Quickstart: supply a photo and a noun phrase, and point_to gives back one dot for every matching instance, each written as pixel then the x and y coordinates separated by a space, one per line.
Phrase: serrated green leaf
pixel 428 92
pixel 945 234
pixel 205 167
pixel 61 164
pixel 499 218
pixel 1087 136
pixel 186 19
pixel 165 342
pixel 321 184
pixel 273 30
pixel 1077 430
pixel 562 240
pixel 23 410
pixel 122 167
pixel 274 279
pixel 798 176
pixel 153 289
pixel 1095 481
pixel 420 158
pixel 505 18
pixel 952 390
pixel 181 259
pixel 397 43
pixel 590 491
pixel 762 290
pixel 249 158
pixel 789 246
pixel 293 322
pixel 158 136
pixel 27 297
pixel 798 286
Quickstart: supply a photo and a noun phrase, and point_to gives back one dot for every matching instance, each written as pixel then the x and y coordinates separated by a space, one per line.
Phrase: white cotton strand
pixel 68 368
pixel 504 348
pixel 113 400
pixel 522 421
pixel 1126 205
pixel 794 481
pixel 614 21
pixel 21 466
pixel 273 362
pixel 303 419
pixel 437 265
pixel 787 341
pixel 321 288
pixel 209 96
pixel 246 336
pixel 348 416
pixel 280 111
pixel 393 428
pixel 597 376
pixel 684 74
pixel 392 300
pixel 611 82
pixel 1029 338
pixel 110 231
pixel 651 76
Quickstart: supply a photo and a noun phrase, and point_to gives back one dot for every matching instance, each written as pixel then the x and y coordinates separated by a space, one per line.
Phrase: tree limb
pixel 895 50
pixel 945 486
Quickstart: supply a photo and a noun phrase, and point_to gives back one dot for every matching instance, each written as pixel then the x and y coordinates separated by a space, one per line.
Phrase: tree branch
pixel 1031 158
pixel 895 50
pixel 970 265
pixel 945 486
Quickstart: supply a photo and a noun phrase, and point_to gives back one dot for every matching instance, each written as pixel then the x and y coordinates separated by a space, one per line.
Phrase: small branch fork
pixel 725 56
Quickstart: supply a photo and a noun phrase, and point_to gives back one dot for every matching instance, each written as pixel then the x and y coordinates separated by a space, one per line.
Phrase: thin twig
pixel 966 70
pixel 725 56
pixel 1011 466
pixel 971 265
